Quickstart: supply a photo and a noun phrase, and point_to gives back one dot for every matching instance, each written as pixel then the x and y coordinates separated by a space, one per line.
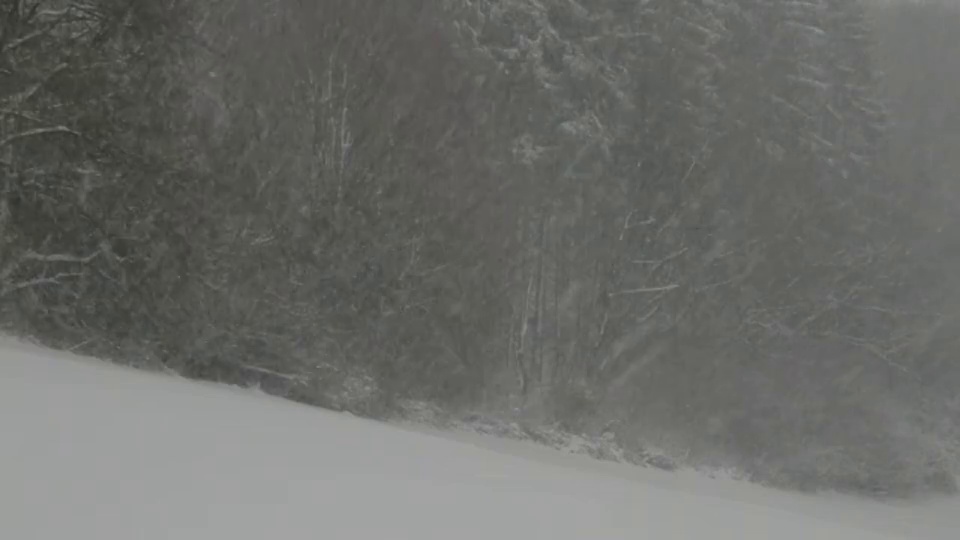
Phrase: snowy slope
pixel 90 451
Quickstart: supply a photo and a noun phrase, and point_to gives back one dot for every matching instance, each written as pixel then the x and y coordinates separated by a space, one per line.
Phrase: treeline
pixel 705 226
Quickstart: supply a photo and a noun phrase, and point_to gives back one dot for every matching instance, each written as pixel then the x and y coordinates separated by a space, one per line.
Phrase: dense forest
pixel 725 228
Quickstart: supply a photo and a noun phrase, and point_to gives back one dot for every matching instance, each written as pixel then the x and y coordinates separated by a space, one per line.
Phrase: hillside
pixel 93 451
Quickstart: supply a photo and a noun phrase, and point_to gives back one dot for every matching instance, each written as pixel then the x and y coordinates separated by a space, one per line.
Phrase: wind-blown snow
pixel 91 451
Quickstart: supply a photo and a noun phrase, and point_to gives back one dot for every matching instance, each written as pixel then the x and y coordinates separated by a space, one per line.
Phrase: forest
pixel 726 228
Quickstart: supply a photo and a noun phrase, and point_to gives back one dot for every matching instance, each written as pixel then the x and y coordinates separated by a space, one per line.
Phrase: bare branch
pixel 24 39
pixel 19 114
pixel 37 132
pixel 53 280
pixel 54 18
pixel 33 256
pixel 265 371
pixel 669 257
pixel 646 290
pixel 627 225
pixel 21 98
pixel 873 349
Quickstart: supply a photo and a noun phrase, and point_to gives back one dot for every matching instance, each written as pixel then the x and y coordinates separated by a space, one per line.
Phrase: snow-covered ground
pixel 92 451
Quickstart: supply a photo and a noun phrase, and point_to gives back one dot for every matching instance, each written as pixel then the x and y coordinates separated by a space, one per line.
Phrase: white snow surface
pixel 93 451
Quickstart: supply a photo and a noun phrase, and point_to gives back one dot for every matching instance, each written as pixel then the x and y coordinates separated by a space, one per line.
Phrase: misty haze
pixel 479 269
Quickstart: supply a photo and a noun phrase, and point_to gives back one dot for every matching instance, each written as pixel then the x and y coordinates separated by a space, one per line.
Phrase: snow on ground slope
pixel 91 451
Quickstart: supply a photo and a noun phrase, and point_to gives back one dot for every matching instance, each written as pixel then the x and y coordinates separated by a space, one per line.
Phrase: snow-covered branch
pixel 59 257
